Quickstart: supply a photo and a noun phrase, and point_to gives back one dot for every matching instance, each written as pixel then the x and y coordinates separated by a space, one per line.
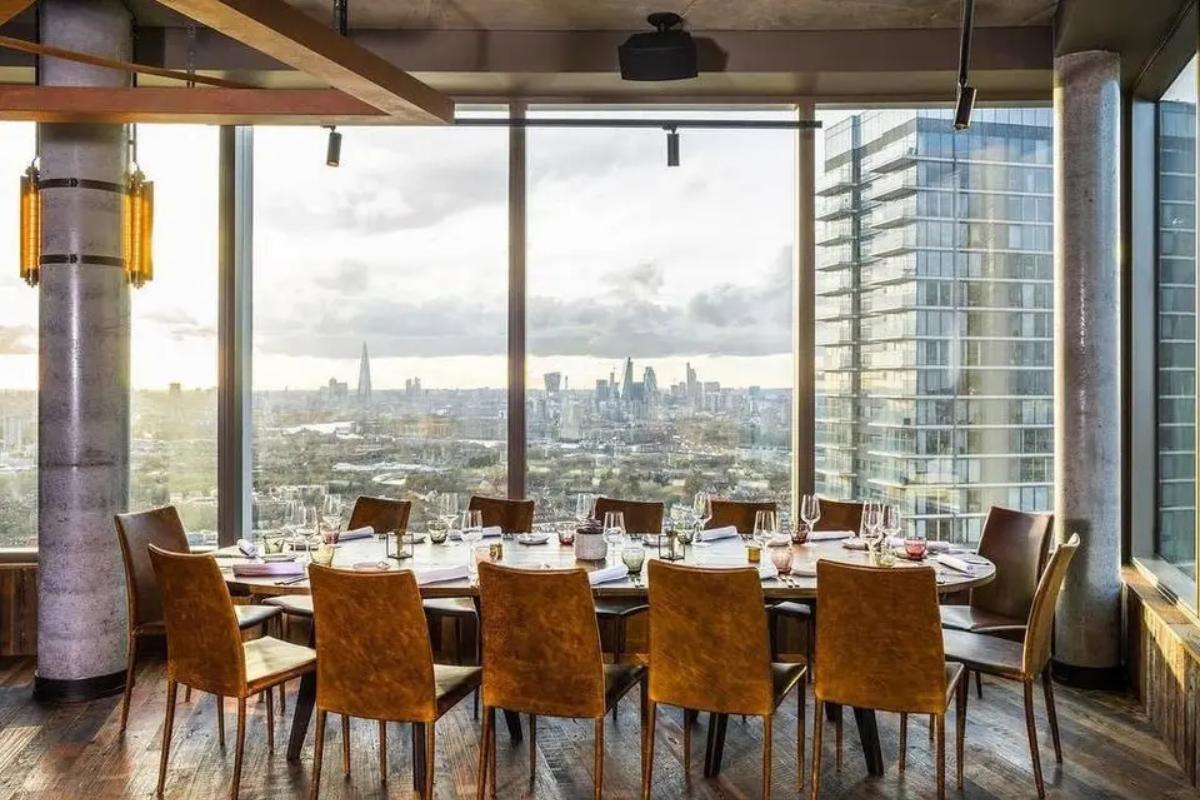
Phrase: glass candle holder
pixel 633 558
pixel 398 546
pixel 438 535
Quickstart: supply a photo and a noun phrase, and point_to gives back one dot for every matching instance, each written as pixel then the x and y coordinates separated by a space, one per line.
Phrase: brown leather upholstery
pixel 373 654
pixel 879 638
pixel 736 513
pixel 969 618
pixel 639 517
pixel 383 514
pixel 1016 542
pixel 162 528
pixel 300 605
pixel 513 516
pixel 839 515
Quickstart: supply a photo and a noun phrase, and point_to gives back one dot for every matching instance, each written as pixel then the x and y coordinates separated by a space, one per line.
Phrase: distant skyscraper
pixel 553 382
pixel 627 381
pixel 364 377
pixel 650 381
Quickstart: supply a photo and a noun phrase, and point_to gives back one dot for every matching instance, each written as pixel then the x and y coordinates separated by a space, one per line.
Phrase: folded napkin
pixel 728 532
pixel 428 575
pixel 365 532
pixel 249 549
pixel 258 570
pixel 804 570
pixel 491 530
pixel 617 572
pixel 954 563
pixel 829 536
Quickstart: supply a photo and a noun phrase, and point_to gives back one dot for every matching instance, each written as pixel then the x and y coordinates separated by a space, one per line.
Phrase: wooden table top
pixel 721 553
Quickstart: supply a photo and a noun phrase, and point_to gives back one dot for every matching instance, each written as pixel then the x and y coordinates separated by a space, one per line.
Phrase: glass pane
pixel 934 323
pixel 380 297
pixel 660 313
pixel 18 357
pixel 173 367
pixel 1176 299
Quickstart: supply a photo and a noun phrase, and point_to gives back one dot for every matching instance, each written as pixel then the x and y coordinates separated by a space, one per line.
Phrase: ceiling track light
pixel 341 16
pixel 964 101
pixel 672 146
pixel 333 149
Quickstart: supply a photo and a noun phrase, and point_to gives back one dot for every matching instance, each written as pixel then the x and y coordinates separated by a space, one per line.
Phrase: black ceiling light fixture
pixel 672 146
pixel 965 98
pixel 341 23
pixel 664 54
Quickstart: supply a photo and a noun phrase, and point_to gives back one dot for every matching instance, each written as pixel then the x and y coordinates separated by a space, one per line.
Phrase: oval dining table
pixel 729 552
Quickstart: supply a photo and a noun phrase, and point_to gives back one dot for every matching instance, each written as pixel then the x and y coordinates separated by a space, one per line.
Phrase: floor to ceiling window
pixel 1175 542
pixel 380 302
pixel 173 366
pixel 18 358
pixel 934 325
pixel 660 301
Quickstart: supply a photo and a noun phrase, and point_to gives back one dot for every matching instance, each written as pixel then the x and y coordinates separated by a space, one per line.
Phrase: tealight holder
pixel 397 545
pixel 672 550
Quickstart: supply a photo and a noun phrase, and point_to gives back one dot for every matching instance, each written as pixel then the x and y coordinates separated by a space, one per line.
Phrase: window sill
pixel 18 555
pixel 1174 613
pixel 1175 586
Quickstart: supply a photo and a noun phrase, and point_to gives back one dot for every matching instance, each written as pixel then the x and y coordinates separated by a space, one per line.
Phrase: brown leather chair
pixel 162 528
pixel 512 516
pixel 205 649
pixel 879 643
pixel 737 513
pixel 541 656
pixel 1017 543
pixel 1023 661
pixel 836 515
pixel 640 517
pixel 374 661
pixel 714 657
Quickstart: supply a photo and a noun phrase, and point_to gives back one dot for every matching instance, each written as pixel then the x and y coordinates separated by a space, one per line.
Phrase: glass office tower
pixel 935 315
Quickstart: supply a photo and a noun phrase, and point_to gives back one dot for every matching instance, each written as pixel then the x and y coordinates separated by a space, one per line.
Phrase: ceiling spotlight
pixel 333 150
pixel 965 97
pixel 672 147
pixel 659 55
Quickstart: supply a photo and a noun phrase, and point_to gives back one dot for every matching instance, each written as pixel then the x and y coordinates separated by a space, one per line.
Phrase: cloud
pixel 178 324
pixel 351 276
pixel 16 340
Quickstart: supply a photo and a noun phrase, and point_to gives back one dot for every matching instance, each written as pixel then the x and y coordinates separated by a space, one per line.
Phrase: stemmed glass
pixel 614 527
pixel 448 509
pixel 765 526
pixel 583 507
pixel 872 523
pixel 472 526
pixel 810 514
pixel 702 508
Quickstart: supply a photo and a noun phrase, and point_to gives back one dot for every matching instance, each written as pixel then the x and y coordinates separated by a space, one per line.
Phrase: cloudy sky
pixel 404 247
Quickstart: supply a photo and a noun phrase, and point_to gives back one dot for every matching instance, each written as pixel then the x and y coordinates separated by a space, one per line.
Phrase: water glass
pixel 634 557
pixel 272 543
pixel 685 534
pixel 472 525
pixel 438 534
pixel 915 545
pixel 566 533
pixel 702 507
pixel 765 526
pixel 782 557
pixel 614 527
pixel 323 555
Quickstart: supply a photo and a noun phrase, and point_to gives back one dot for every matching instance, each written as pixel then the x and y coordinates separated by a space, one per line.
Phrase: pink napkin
pixel 257 570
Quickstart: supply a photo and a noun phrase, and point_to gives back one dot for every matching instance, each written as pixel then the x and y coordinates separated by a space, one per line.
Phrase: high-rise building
pixel 1176 333
pixel 627 382
pixel 650 381
pixel 553 382
pixel 935 315
pixel 364 377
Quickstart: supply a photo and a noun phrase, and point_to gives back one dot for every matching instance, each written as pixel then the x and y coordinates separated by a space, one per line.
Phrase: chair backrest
pixel 373 654
pixel 1016 542
pixel 1041 611
pixel 839 515
pixel 383 514
pixel 204 645
pixel 639 517
pixel 879 638
pixel 162 528
pixel 736 513
pixel 541 643
pixel 705 655
pixel 513 516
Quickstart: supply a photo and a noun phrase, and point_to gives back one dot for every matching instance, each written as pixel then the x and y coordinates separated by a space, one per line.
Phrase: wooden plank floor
pixel 75 752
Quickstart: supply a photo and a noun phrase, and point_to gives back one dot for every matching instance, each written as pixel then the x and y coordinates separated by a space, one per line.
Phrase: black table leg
pixel 418 756
pixel 306 698
pixel 833 712
pixel 715 747
pixel 868 736
pixel 513 720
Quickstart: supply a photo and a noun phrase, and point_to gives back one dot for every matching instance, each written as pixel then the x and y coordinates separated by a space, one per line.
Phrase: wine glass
pixel 702 507
pixel 614 527
pixel 583 507
pixel 472 525
pixel 448 508
pixel 765 526
pixel 810 514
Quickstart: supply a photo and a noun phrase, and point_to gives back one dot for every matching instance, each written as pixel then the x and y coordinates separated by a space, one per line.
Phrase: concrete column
pixel 1087 362
pixel 83 372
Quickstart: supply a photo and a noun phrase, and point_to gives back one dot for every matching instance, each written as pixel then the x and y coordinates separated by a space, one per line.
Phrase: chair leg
pixel 270 721
pixel 768 729
pixel 903 742
pixel 1031 727
pixel 492 757
pixel 939 723
pixel 598 780
pixel 383 751
pixel 773 632
pixel 1051 713
pixel 532 749
pixel 689 719
pixel 810 636
pixel 346 745
pixel 430 749
pixel 801 692
pixel 130 673
pixel 485 738
pixel 168 729
pixel 187 694
pixel 239 749
pixel 979 684
pixel 648 749
pixel 818 724
pixel 220 720
pixel 314 791
pixel 617 653
pixel 837 736
pixel 960 730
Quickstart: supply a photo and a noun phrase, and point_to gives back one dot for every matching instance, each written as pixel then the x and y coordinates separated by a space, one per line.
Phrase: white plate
pixel 533 538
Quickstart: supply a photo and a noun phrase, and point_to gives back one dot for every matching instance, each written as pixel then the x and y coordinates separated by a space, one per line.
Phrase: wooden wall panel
pixel 18 609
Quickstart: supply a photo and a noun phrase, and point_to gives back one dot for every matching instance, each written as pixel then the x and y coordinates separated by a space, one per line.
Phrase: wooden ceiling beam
pixel 11 8
pixel 288 35
pixel 183 105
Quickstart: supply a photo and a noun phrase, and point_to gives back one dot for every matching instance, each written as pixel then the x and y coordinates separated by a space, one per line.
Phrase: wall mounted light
pixel 965 95
pixel 31 226
pixel 138 229
pixel 333 150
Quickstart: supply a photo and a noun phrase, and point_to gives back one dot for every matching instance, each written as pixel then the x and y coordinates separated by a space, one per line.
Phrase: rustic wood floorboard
pixel 75 752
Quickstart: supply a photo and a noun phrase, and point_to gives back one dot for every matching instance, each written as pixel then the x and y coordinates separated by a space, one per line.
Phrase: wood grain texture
pixel 1110 751
pixel 18 609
